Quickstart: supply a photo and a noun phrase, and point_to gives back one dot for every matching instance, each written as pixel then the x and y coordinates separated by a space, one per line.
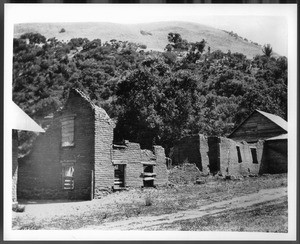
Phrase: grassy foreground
pixel 173 198
pixel 258 218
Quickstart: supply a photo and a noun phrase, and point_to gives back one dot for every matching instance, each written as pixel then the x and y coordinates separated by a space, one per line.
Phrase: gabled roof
pixel 100 111
pixel 272 117
pixel 275 119
pixel 21 121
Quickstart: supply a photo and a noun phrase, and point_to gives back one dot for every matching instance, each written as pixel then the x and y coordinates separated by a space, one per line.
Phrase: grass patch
pixel 148 200
pixel 138 202
pixel 258 218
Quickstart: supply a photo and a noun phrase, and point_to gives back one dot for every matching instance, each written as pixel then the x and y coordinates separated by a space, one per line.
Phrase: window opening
pixel 119 175
pixel 68 177
pixel 239 154
pixel 67 131
pixel 254 155
pixel 148 176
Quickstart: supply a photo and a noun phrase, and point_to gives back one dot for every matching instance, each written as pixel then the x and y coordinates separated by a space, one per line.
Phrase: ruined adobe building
pixel 76 157
pixel 258 145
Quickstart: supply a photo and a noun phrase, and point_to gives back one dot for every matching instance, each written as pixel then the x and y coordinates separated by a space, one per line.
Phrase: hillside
pixel 154 97
pixel 154 35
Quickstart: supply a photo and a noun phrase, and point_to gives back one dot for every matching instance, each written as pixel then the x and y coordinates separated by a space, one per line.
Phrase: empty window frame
pixel 239 154
pixel 67 131
pixel 119 180
pixel 254 155
pixel 148 168
pixel 148 176
pixel 68 176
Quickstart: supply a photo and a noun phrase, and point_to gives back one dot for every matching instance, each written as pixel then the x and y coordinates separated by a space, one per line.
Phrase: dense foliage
pixel 155 97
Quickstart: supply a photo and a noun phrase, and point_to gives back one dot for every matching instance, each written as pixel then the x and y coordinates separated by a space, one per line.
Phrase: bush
pixel 31 226
pixel 146 33
pixel 148 200
pixel 142 46
pixel 62 30
pixel 34 37
pixel 18 208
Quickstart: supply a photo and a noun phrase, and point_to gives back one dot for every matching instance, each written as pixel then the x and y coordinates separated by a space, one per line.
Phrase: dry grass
pixel 216 39
pixel 258 218
pixel 132 203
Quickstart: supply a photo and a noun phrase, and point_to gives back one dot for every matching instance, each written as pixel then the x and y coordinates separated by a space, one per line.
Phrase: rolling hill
pixel 153 35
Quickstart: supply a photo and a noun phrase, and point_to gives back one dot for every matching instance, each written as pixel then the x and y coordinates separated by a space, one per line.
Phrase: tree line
pixel 154 97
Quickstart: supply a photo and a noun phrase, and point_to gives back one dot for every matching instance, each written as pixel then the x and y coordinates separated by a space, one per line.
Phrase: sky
pixel 261 23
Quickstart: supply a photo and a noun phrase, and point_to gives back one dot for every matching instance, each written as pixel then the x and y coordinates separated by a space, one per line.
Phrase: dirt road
pixel 138 223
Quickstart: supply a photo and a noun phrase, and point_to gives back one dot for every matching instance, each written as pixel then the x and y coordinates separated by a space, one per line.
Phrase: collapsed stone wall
pixel 161 168
pixel 130 154
pixel 104 169
pixel 44 173
pixel 219 155
pixel 133 157
pixel 203 148
pixel 192 149
pixel 236 158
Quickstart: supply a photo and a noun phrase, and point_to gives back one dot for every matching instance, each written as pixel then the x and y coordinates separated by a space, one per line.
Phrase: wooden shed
pixel 259 125
pixel 275 154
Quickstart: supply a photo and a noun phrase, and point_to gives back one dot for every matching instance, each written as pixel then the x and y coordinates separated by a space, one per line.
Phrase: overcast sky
pixel 262 23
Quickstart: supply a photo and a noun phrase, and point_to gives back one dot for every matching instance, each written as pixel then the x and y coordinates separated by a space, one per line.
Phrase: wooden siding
pixel 256 127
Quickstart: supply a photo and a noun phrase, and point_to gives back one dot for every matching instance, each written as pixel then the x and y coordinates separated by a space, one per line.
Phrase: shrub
pixel 62 30
pixel 18 208
pixel 146 33
pixel 34 37
pixel 142 46
pixel 148 200
pixel 31 226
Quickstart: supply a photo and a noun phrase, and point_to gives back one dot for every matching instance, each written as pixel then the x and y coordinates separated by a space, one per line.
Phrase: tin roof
pixel 275 119
pixel 280 137
pixel 272 117
pixel 21 121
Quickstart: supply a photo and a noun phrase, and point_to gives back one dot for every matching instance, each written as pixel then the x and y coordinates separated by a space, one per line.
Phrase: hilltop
pixel 153 35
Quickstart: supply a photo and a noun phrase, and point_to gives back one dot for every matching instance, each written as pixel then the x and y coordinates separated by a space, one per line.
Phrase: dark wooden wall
pixel 256 127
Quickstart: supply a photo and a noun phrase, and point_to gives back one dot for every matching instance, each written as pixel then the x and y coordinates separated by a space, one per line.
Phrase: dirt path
pixel 138 223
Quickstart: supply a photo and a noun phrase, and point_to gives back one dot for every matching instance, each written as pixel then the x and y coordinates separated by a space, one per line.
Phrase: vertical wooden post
pixel 92 184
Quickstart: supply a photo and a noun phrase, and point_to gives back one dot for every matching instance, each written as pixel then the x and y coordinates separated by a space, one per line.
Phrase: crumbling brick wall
pixel 88 147
pixel 104 169
pixel 229 159
pixel 203 147
pixel 220 155
pixel 133 156
pixel 160 168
